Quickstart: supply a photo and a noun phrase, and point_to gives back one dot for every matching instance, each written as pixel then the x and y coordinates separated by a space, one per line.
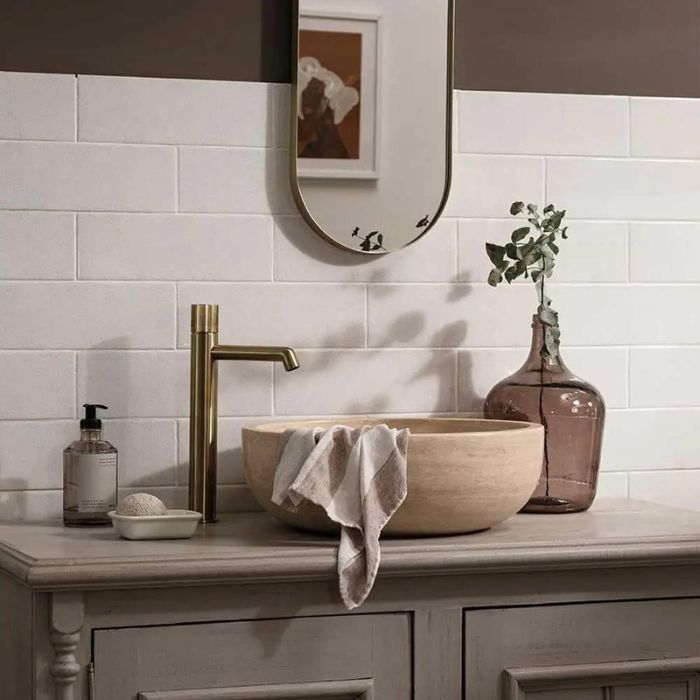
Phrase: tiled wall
pixel 124 200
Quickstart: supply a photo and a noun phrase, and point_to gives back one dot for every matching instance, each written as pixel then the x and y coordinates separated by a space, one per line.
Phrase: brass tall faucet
pixel 205 353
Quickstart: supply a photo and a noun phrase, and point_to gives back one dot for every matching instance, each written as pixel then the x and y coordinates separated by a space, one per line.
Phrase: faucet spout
pixel 286 356
pixel 205 354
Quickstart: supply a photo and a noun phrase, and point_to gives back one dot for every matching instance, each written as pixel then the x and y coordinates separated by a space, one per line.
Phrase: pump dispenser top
pixel 89 474
pixel 91 421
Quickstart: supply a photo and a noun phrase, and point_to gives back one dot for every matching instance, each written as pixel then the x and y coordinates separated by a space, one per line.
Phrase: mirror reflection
pixel 371 122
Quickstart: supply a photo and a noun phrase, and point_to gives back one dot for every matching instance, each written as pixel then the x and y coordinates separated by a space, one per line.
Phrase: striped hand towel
pixel 358 476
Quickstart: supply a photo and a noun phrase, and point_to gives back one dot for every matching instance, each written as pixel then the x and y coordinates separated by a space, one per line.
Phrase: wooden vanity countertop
pixel 253 547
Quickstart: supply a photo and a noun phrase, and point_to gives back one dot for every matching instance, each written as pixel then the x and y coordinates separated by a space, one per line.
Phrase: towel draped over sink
pixel 358 476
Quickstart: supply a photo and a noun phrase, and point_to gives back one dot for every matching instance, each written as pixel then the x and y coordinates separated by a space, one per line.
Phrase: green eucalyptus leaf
pixel 536 274
pixel 519 234
pixel 495 277
pixel 557 218
pixel 563 232
pixel 549 208
pixel 512 251
pixel 532 209
pixel 555 248
pixel 547 253
pixel 551 344
pixel 547 316
pixel 535 222
pixel 516 208
pixel 495 253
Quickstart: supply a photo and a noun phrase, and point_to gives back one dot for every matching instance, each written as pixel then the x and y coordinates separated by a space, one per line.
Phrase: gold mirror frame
pixel 294 134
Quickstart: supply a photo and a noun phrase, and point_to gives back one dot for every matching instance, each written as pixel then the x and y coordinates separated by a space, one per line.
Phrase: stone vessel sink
pixel 464 474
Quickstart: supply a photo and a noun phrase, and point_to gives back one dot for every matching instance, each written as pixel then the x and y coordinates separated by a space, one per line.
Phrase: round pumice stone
pixel 140 504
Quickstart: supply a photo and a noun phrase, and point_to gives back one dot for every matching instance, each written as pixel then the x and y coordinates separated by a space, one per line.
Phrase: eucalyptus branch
pixel 531 253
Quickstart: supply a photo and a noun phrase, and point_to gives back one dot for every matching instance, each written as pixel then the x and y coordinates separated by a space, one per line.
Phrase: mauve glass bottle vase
pixel 572 411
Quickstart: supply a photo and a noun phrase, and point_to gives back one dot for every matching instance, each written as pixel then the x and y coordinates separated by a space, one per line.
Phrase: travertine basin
pixel 464 474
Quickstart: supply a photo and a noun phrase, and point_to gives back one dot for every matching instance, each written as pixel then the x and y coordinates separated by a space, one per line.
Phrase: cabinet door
pixel 320 658
pixel 643 650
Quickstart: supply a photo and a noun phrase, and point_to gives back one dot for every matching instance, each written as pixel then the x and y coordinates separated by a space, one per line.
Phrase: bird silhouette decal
pixel 371 242
pixel 423 222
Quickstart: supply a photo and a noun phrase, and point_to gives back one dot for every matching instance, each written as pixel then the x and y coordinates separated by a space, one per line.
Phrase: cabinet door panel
pixel 601 650
pixel 575 694
pixel 654 691
pixel 330 690
pixel 290 655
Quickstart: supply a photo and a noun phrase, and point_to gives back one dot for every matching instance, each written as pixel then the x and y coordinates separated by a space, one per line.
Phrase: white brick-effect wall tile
pixel 86 177
pixel 68 315
pixel 597 253
pixel 303 315
pixel 37 384
pixel 541 124
pixel 156 384
pixel 124 200
pixel 37 106
pixel 37 245
pixel 665 128
pixel 174 247
pixel 155 110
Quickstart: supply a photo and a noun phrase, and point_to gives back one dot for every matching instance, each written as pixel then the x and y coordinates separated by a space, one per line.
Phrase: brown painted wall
pixel 639 47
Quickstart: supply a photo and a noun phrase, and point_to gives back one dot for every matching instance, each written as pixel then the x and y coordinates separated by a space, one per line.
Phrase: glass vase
pixel 572 411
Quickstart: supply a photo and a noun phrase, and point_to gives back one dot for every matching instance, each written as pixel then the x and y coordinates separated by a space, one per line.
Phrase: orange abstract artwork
pixel 330 71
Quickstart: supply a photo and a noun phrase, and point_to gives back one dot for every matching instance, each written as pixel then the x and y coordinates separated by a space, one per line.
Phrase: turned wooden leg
pixel 67 616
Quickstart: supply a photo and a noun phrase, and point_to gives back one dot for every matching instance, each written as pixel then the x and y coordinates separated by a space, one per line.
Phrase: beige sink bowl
pixel 464 474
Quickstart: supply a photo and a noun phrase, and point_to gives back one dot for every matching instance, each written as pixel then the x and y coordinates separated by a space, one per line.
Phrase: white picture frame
pixel 366 165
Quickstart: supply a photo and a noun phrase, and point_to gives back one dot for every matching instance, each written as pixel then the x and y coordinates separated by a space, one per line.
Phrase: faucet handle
pixel 205 318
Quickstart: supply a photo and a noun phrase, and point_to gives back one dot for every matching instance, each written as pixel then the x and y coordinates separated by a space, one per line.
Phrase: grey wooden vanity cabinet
pixel 603 605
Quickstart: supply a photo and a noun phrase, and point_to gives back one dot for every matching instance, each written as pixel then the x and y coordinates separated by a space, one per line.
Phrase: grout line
pixel 273 392
pixel 76 103
pixel 456 154
pixel 145 144
pixel 629 127
pixel 458 256
pixel 177 179
pixel 161 282
pixel 76 398
pixel 286 215
pixel 76 250
pixel 367 316
pixel 629 252
pixel 456 381
pixel 544 181
pixel 361 348
pixel 176 460
pixel 456 130
pixel 176 319
pixel 273 250
pixel 623 158
pixel 628 389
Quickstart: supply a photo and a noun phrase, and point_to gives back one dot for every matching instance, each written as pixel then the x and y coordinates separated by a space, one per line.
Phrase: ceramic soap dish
pixel 174 525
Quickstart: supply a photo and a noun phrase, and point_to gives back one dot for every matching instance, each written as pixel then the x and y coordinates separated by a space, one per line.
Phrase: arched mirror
pixel 372 119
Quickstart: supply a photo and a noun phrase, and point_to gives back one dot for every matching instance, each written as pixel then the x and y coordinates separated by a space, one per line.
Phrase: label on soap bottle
pixel 95 480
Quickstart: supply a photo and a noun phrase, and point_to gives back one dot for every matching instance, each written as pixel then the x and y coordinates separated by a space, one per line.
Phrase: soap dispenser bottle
pixel 89 474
